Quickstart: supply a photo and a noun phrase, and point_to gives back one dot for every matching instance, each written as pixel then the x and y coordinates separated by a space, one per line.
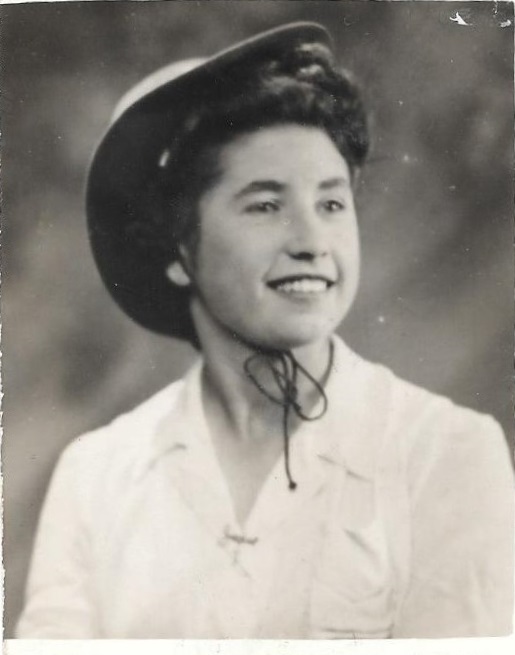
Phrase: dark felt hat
pixel 127 159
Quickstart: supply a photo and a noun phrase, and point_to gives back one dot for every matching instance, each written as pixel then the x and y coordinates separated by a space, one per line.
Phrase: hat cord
pixel 285 370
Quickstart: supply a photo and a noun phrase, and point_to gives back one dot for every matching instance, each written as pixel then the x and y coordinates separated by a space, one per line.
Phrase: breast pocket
pixel 352 595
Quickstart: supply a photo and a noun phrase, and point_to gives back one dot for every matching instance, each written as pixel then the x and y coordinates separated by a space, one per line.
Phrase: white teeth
pixel 303 286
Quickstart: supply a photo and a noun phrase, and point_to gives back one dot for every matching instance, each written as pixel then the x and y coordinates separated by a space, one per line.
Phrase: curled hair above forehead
pixel 302 86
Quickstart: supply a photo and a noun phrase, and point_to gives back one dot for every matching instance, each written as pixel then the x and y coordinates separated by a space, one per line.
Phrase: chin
pixel 297 336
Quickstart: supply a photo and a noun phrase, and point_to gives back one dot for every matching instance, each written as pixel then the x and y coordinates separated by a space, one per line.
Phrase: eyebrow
pixel 333 182
pixel 276 187
pixel 260 185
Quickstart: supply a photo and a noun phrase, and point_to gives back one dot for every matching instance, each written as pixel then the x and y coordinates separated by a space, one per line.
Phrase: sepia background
pixel 435 203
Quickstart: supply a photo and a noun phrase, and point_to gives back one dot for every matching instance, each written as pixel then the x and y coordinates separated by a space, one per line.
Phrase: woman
pixel 285 488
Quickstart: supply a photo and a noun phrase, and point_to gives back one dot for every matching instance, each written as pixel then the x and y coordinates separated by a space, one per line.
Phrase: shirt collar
pixel 348 433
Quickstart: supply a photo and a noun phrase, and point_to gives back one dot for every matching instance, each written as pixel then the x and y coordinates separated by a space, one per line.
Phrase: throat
pixel 246 466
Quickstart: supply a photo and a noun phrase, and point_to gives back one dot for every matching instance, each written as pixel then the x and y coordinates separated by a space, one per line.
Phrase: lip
pixel 301 286
pixel 299 277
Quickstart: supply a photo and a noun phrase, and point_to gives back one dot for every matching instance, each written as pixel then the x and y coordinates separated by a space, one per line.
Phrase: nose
pixel 308 235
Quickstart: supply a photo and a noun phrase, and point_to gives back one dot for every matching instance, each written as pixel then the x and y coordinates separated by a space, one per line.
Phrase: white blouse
pixel 401 524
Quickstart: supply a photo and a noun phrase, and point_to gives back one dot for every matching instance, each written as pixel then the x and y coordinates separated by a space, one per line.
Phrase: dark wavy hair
pixel 304 88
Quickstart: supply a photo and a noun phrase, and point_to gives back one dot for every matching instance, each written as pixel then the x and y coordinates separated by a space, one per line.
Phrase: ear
pixel 176 273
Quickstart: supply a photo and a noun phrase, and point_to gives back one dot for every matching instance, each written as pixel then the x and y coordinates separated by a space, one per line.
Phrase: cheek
pixel 222 265
pixel 234 248
pixel 348 245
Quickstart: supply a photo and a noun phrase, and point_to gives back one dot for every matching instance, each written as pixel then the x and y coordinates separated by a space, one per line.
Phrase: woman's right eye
pixel 263 207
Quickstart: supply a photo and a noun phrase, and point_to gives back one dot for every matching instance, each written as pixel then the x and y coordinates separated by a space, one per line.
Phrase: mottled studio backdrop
pixel 435 204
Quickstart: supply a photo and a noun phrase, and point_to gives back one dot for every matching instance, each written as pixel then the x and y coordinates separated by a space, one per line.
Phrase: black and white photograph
pixel 257 320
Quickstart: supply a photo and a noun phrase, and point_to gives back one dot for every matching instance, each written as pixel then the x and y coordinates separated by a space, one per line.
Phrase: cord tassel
pixel 285 370
pixel 292 485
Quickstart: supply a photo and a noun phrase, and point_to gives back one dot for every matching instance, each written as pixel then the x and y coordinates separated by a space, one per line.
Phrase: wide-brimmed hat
pixel 127 159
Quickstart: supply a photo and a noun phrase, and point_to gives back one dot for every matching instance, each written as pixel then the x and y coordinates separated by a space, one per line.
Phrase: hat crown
pixel 279 38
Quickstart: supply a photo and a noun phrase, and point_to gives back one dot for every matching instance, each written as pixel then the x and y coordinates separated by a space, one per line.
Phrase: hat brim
pixel 127 159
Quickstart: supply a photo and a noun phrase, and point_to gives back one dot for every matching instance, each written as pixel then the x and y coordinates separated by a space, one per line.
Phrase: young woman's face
pixel 277 261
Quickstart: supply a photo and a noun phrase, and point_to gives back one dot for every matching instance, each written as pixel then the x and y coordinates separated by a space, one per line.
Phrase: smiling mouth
pixel 301 284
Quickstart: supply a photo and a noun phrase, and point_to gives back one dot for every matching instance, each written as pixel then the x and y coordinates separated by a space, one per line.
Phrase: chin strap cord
pixel 285 371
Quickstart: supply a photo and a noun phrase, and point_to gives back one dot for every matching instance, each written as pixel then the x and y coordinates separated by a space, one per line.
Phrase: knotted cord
pixel 285 370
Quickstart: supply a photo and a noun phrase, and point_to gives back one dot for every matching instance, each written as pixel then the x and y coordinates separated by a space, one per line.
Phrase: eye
pixel 263 207
pixel 333 205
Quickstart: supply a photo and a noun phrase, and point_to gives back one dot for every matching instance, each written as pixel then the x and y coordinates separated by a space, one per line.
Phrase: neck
pixel 230 394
